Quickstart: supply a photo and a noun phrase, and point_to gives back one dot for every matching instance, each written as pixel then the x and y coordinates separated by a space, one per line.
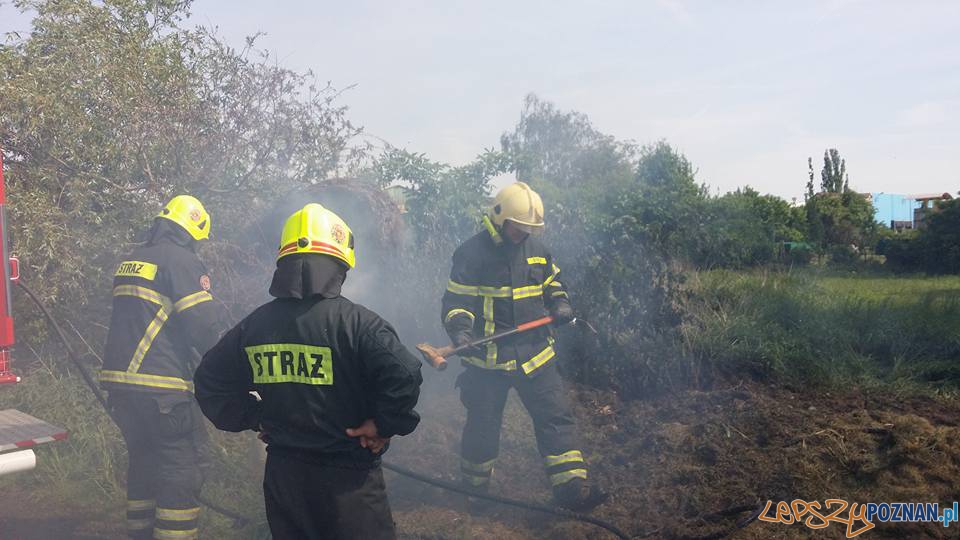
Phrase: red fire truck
pixel 19 432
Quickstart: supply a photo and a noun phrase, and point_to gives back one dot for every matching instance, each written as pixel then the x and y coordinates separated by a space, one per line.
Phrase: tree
pixel 841 221
pixel 562 148
pixel 935 249
pixel 109 108
pixel 833 176
pixel 745 228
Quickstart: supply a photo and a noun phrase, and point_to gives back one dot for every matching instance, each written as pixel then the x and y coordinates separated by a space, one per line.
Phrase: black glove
pixel 562 313
pixel 461 338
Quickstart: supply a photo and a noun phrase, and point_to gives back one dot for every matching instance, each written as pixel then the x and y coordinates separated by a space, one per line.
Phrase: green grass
pixel 825 328
pixel 86 473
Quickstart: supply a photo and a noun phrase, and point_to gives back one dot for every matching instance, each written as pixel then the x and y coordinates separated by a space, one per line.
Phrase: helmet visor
pixel 529 229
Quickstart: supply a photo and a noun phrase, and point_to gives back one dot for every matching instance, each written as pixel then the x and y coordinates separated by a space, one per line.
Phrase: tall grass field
pixel 810 327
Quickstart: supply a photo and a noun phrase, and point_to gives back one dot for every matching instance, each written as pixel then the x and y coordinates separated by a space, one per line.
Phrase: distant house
pixel 900 212
pixel 927 203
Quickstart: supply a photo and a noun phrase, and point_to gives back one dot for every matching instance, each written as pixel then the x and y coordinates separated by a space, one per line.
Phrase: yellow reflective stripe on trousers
pixel 476 481
pixel 481 363
pixel 173 534
pixel 566 457
pixel 540 359
pixel 556 294
pixel 142 379
pixel 174 514
pixel 481 468
pixel 191 300
pixel 137 505
pixel 566 476
pixel 454 312
pixel 139 524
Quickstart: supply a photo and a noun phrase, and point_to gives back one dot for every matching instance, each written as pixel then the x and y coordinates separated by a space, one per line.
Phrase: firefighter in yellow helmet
pixel 503 277
pixel 335 384
pixel 163 319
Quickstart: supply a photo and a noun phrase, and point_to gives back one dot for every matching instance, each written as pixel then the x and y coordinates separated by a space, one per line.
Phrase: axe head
pixel 434 356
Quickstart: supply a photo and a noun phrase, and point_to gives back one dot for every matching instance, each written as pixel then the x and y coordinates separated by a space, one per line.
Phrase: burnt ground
pixel 673 462
pixel 670 463
pixel 37 517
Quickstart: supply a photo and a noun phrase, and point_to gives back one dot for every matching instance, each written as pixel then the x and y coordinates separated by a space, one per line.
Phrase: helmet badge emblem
pixel 338 233
pixel 195 215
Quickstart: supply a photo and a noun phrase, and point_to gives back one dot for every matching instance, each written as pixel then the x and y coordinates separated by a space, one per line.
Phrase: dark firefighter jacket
pixel 496 285
pixel 163 315
pixel 319 362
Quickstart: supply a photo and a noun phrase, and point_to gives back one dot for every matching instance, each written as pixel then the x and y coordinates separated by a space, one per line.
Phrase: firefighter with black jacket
pixel 334 383
pixel 503 277
pixel 163 319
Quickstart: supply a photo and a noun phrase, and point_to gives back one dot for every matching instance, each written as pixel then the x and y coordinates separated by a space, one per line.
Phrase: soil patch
pixel 673 463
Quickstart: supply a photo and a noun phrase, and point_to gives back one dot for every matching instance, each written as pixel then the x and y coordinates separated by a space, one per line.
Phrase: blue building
pixel 905 211
pixel 893 210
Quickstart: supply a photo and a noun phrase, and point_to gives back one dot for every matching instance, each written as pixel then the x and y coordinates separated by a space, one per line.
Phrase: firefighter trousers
pixel 167 445
pixel 484 394
pixel 309 500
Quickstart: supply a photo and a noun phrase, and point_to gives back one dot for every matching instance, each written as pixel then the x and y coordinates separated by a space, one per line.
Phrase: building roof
pixel 930 196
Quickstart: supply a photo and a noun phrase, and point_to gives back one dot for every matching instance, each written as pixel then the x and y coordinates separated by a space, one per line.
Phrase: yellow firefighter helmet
pixel 314 229
pixel 521 205
pixel 189 213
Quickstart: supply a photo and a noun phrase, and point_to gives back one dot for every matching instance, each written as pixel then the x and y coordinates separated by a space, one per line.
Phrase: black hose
pixel 239 521
pixel 451 486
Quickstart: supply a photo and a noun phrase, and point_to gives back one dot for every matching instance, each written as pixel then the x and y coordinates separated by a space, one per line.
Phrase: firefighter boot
pixel 578 495
pixel 478 506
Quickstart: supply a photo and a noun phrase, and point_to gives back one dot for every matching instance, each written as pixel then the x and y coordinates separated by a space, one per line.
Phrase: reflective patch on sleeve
pixel 291 363
pixel 536 260
pixel 138 269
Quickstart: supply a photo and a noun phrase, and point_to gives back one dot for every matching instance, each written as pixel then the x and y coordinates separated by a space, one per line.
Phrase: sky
pixel 747 90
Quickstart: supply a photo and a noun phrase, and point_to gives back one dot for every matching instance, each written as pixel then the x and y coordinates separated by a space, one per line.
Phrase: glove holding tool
pixel 437 356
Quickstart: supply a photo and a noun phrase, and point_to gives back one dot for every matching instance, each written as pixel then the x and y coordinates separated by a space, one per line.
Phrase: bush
pixel 935 249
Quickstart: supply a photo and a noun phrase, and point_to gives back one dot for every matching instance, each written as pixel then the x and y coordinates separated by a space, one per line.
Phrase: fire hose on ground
pixel 435 357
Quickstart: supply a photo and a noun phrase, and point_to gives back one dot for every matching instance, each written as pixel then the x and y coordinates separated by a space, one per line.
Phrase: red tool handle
pixel 535 324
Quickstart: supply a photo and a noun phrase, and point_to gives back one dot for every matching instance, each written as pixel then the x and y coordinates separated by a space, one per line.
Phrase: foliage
pixel 603 229
pixel 833 176
pixel 744 228
pixel 563 147
pixel 840 221
pixel 934 249
pixel 110 108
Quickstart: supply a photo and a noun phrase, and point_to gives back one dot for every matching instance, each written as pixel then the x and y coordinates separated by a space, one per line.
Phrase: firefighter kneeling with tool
pixel 335 384
pixel 504 278
pixel 162 311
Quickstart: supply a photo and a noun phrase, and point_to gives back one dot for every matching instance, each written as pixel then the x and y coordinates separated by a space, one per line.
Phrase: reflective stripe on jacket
pixel 162 316
pixel 494 286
